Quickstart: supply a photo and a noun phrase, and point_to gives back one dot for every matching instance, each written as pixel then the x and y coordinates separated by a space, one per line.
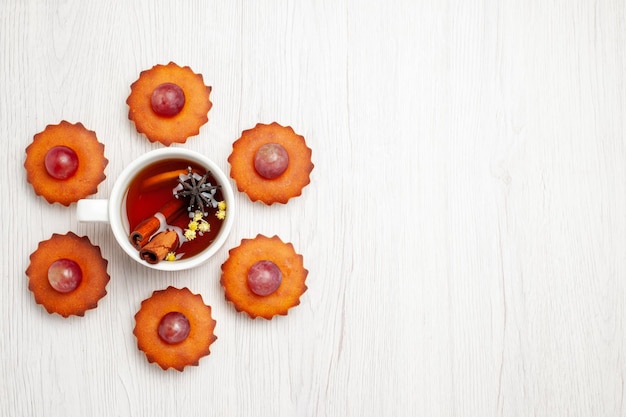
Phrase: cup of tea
pixel 171 209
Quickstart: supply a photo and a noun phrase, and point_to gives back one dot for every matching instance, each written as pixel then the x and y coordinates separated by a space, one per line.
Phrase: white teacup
pixel 113 210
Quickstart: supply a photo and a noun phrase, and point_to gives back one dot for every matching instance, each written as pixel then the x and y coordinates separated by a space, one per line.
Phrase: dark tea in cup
pixel 169 204
pixel 175 210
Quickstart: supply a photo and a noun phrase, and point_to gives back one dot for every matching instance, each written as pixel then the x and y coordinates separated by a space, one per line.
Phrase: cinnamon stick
pixel 167 213
pixel 157 249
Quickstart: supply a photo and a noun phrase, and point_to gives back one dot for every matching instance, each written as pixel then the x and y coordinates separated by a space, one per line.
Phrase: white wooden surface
pixel 464 229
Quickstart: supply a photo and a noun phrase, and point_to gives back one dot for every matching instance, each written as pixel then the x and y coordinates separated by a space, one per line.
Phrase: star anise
pixel 199 192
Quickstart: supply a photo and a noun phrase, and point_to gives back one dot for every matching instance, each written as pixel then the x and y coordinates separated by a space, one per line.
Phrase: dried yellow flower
pixel 204 226
pixel 190 234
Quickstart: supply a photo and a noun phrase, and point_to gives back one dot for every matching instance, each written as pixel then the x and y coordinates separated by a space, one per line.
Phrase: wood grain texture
pixel 464 230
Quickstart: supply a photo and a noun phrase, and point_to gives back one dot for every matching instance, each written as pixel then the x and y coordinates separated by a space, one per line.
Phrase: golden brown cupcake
pixel 174 328
pixel 264 277
pixel 270 163
pixel 169 103
pixel 67 274
pixel 65 163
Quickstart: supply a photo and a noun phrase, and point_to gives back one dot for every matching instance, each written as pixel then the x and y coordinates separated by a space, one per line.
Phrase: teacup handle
pixel 92 210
